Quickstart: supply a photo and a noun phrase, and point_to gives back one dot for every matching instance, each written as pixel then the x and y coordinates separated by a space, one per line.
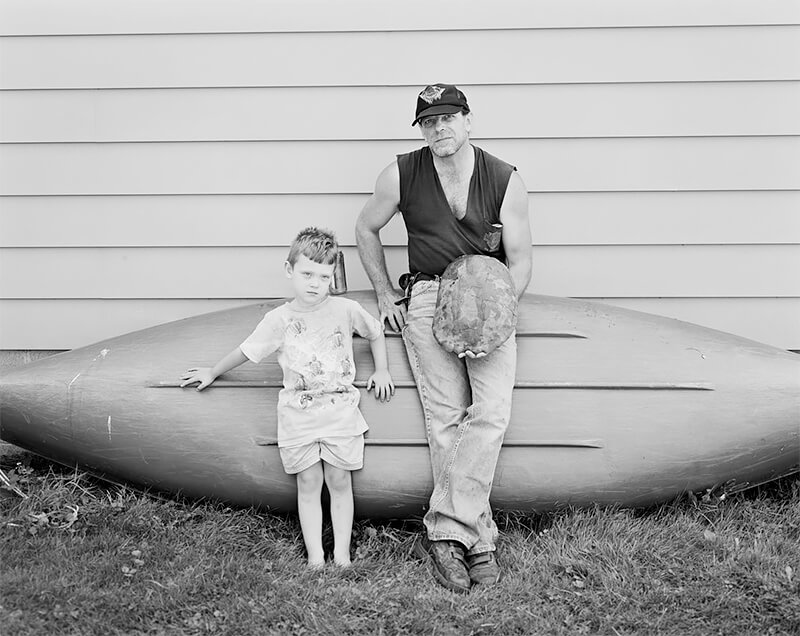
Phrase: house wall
pixel 156 157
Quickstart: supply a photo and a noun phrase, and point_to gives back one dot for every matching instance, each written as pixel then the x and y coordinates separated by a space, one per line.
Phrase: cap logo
pixel 431 94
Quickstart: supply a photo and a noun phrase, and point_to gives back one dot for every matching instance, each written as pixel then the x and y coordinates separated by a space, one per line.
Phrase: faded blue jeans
pixel 467 406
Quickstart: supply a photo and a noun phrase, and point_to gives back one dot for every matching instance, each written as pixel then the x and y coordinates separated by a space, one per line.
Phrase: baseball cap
pixel 438 99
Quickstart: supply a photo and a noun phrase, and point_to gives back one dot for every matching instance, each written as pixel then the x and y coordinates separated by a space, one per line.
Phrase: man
pixel 455 199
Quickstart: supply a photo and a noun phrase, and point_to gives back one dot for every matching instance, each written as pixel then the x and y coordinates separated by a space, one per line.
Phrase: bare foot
pixel 342 562
pixel 315 565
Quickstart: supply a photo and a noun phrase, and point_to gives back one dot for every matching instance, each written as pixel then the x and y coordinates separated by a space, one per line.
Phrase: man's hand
pixel 392 313
pixel 202 375
pixel 384 387
pixel 470 354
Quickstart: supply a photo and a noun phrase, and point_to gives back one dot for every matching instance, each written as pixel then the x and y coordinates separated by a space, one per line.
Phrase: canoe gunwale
pixel 517 443
pixel 592 386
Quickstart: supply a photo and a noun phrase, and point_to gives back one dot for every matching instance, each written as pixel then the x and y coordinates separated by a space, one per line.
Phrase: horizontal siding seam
pixel 323 194
pixel 365 31
pixel 477 139
pixel 535 246
pixel 402 85
pixel 402 29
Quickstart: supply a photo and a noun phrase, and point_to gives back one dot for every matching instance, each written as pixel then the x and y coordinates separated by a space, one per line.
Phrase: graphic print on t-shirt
pixel 319 363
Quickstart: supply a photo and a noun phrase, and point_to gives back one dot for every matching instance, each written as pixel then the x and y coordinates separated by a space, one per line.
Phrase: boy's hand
pixel 201 375
pixel 384 387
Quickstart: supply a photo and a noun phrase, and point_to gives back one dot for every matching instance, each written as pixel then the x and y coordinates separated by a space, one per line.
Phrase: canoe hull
pixel 611 407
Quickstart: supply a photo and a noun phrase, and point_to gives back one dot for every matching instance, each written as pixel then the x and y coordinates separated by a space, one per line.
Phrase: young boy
pixel 320 427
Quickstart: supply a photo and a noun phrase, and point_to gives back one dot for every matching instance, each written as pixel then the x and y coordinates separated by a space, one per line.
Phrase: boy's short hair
pixel 315 244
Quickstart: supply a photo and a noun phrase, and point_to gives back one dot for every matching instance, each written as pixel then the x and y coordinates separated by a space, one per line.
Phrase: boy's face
pixel 311 281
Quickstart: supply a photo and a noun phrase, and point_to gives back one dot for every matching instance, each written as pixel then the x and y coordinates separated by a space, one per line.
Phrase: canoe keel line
pixel 611 407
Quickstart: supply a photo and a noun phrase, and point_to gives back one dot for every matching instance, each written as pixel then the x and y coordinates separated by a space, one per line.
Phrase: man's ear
pixel 287 267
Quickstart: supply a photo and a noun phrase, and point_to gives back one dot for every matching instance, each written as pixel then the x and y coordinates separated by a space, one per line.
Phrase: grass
pixel 81 556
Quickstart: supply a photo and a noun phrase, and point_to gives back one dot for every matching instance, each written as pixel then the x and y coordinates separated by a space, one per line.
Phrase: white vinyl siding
pixel 569 111
pixel 557 218
pixel 156 158
pixel 234 272
pixel 520 56
pixel 341 167
pixel 95 17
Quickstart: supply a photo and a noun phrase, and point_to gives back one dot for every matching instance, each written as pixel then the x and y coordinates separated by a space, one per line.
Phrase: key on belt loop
pixel 407 282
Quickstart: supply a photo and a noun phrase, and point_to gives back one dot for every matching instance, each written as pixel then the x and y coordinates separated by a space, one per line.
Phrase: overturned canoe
pixel 611 406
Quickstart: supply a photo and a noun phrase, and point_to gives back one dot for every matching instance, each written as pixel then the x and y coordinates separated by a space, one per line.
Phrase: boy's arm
pixel 381 379
pixel 206 375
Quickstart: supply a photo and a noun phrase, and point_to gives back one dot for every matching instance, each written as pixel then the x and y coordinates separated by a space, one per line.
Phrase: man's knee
pixel 491 413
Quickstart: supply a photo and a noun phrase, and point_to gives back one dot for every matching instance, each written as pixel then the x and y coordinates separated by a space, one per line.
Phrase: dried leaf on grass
pixel 40 520
pixel 70 517
pixel 7 483
pixel 63 519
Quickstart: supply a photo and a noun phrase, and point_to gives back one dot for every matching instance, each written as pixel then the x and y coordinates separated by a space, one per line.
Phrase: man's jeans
pixel 467 405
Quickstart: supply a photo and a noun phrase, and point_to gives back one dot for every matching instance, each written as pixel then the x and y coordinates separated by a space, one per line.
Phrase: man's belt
pixel 407 282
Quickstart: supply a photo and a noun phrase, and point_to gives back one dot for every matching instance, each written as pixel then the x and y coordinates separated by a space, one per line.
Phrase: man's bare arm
pixel 517 232
pixel 378 211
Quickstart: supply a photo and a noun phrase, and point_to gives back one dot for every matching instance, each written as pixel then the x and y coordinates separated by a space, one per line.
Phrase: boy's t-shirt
pixel 315 351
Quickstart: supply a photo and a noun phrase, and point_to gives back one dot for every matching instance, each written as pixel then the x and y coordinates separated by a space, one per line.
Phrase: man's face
pixel 446 134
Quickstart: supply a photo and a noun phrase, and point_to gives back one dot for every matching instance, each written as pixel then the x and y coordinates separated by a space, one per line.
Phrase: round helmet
pixel 476 308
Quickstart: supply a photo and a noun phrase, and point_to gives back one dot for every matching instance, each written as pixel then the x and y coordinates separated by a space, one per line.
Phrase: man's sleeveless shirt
pixel 435 236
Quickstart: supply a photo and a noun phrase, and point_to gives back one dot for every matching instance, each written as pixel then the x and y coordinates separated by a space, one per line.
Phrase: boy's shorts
pixel 346 453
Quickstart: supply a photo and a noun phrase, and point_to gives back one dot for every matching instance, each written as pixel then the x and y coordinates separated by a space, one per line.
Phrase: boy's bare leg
pixel 340 487
pixel 309 509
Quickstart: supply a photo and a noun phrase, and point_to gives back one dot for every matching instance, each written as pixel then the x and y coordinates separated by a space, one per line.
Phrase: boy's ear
pixel 287 267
